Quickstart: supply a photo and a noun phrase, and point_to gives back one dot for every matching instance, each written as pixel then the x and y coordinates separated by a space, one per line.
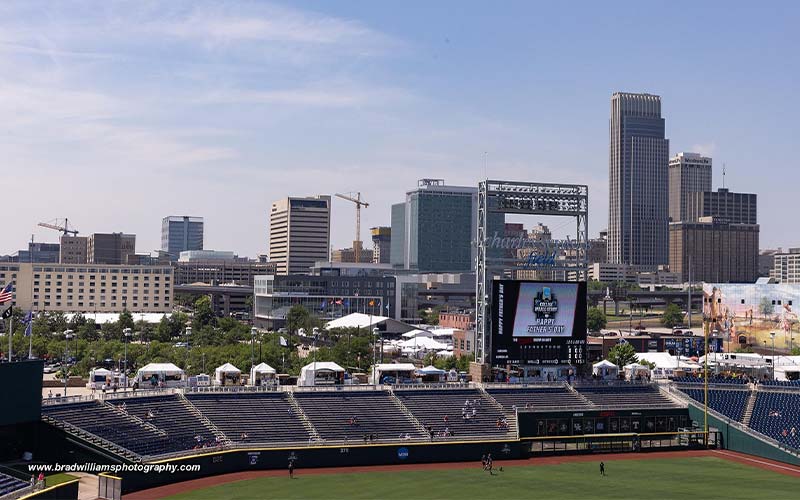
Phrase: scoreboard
pixel 538 323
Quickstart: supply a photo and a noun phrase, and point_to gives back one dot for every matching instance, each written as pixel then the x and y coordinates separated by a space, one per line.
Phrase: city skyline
pixel 219 109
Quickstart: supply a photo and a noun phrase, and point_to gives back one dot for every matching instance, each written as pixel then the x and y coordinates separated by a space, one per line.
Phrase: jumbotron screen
pixel 535 322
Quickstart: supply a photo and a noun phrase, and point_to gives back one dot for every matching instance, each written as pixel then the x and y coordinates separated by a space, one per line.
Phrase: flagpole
pixel 30 342
pixel 10 335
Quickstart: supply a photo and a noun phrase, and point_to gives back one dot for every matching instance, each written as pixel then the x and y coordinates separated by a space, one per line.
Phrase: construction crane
pixel 58 226
pixel 359 204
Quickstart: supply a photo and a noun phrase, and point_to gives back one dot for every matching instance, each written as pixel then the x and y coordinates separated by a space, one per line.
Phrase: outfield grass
pixel 697 477
pixel 58 479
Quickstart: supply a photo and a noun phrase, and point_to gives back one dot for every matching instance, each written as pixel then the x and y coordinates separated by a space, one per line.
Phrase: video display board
pixel 535 322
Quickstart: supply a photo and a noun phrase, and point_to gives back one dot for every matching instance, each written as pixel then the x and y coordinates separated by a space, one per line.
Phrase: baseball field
pixel 652 476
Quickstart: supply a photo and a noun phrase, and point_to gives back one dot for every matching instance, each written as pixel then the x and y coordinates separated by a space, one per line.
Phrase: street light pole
pixel 314 334
pixel 67 336
pixel 127 333
pixel 188 334
pixel 253 333
pixel 772 336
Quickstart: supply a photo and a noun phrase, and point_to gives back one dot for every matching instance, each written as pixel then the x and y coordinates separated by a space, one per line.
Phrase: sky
pixel 116 114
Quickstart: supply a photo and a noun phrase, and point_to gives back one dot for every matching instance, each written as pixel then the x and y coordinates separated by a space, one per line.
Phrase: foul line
pixel 741 457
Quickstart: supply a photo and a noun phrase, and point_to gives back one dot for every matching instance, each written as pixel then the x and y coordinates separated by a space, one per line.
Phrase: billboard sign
pixel 539 322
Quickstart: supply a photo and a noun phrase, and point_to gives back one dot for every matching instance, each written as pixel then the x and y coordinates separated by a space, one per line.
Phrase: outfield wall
pixel 738 440
pixel 225 462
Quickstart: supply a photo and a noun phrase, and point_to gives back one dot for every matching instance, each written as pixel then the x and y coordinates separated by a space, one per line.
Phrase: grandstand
pixel 777 414
pixel 625 396
pixel 445 411
pixel 537 397
pixel 260 417
pixel 356 415
pixel 10 484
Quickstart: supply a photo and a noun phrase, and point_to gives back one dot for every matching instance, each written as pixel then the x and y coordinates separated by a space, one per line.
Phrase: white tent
pixel 155 373
pixel 423 343
pixel 97 377
pixel 261 374
pixel 398 372
pixel 634 370
pixel 432 374
pixel 605 370
pixel 321 373
pixel 417 333
pixel 227 374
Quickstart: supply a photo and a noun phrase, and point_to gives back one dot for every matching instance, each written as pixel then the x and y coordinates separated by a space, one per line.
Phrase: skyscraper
pixel 299 233
pixel 180 233
pixel 688 173
pixel 110 248
pixel 638 182
pixel 381 244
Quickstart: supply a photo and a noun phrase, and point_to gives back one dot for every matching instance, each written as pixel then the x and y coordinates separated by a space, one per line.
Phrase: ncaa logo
pixel 402 453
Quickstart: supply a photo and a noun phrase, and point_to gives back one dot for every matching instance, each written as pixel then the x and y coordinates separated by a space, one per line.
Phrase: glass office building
pixel 181 233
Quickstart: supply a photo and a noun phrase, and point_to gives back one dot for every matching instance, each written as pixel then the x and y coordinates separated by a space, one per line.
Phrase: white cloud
pixel 705 149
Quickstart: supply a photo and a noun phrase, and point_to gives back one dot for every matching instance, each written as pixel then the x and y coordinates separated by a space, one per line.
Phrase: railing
pixel 82 433
pixel 68 399
pixel 231 389
pixel 596 407
pixel 139 393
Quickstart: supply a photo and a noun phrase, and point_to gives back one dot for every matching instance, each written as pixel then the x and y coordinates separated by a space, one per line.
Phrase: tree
pixel 672 317
pixel 622 354
pixel 765 307
pixel 595 319
pixel 203 313
pixel 646 363
pixel 125 320
pixel 298 317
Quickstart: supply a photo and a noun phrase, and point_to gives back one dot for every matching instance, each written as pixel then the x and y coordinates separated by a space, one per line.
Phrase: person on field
pixel 291 468
pixel 602 469
pixel 489 463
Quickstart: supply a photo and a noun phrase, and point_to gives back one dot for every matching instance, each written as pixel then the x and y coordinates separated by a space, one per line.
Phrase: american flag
pixel 5 294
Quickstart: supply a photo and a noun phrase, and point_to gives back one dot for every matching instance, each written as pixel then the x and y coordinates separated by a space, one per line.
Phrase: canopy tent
pixel 321 373
pixel 432 374
pixel 155 374
pixel 261 374
pixel 635 371
pixel 391 373
pixel 98 377
pixel 227 374
pixel 417 333
pixel 423 343
pixel 360 320
pixel 605 370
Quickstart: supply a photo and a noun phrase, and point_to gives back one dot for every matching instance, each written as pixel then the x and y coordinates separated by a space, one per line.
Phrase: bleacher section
pixel 111 424
pixel 625 396
pixel 374 411
pixel 731 403
pixel 712 380
pixel 263 417
pixel 777 415
pixel 175 418
pixel 431 407
pixel 782 383
pixel 9 484
pixel 537 397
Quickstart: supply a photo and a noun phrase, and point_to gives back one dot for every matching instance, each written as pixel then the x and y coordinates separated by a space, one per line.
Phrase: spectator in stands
pixel 793 432
pixel 50 394
pixel 244 436
pixel 446 419
pixel 150 415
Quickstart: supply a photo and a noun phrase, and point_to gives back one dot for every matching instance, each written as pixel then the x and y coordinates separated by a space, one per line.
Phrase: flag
pixel 28 322
pixel 7 313
pixel 387 306
pixel 283 342
pixel 5 293
pixel 622 341
pixel 371 303
pixel 324 304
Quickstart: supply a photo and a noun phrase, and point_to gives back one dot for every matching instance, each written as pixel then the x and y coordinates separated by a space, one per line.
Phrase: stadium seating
pixel 263 417
pixel 537 397
pixel 712 380
pixel 731 403
pixel 431 407
pixel 777 414
pixel 625 396
pixel 113 425
pixel 375 412
pixel 782 383
pixel 9 484
pixel 175 418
